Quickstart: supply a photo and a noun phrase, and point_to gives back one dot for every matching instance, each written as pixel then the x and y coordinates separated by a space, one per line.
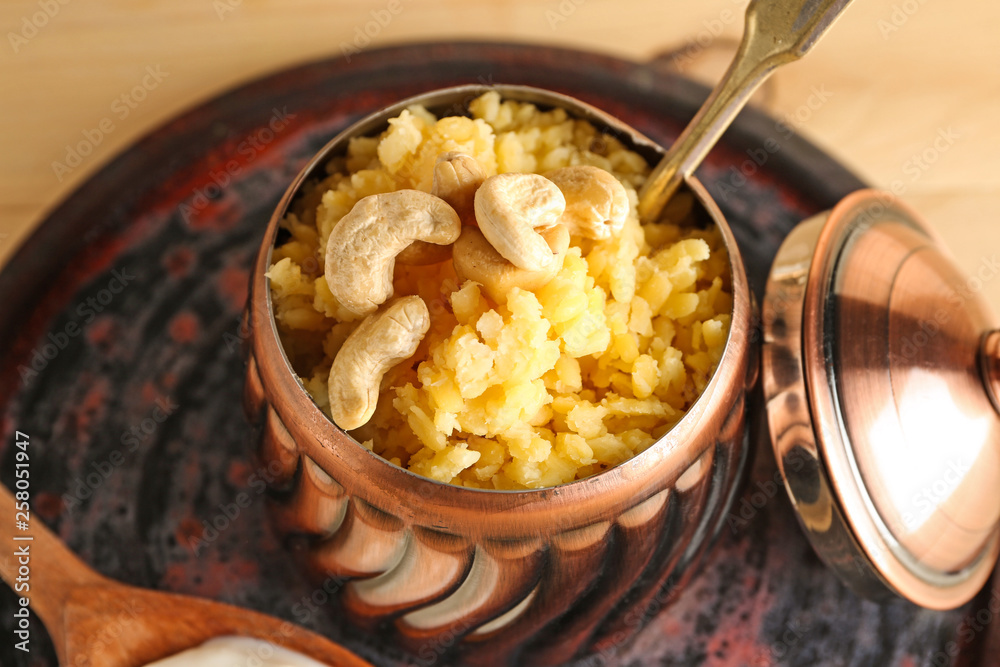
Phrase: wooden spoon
pixel 98 622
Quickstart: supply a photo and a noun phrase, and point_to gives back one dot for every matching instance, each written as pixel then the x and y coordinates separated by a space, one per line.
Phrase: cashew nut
pixel 362 248
pixel 457 176
pixel 380 342
pixel 596 202
pixel 475 259
pixel 510 208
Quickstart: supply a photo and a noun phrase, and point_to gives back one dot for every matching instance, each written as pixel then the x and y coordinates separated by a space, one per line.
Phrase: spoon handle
pixel 776 32
pixel 36 564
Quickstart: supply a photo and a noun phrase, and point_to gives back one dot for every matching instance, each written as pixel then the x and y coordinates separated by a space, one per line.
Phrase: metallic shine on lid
pixel 880 412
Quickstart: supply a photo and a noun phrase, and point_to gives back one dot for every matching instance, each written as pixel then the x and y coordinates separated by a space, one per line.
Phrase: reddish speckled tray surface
pixel 140 456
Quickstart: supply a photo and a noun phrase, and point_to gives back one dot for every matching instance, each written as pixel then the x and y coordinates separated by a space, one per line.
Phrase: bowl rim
pixel 731 372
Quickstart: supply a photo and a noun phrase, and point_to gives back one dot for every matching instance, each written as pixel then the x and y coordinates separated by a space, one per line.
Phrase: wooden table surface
pixel 904 92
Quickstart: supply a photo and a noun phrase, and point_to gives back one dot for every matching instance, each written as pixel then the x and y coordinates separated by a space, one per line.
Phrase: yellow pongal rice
pixel 554 385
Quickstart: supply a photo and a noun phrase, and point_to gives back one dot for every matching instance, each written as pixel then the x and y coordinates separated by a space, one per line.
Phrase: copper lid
pixel 882 378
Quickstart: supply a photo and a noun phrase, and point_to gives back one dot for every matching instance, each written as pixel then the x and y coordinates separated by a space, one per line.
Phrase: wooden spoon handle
pixel 37 565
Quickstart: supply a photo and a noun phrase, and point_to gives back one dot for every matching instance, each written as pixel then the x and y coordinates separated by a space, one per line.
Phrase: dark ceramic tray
pixel 120 324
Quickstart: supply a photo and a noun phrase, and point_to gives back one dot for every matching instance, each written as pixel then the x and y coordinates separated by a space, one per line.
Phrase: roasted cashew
pixel 361 252
pixel 596 202
pixel 380 342
pixel 457 176
pixel 475 259
pixel 510 208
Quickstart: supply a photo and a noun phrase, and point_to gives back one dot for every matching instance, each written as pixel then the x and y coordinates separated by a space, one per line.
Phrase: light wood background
pixel 896 73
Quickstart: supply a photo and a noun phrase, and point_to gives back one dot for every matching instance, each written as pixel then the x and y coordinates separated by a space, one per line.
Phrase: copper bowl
pixel 536 576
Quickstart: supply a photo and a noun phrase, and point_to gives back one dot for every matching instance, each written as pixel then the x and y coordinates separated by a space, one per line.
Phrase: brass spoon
pixel 98 622
pixel 776 32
